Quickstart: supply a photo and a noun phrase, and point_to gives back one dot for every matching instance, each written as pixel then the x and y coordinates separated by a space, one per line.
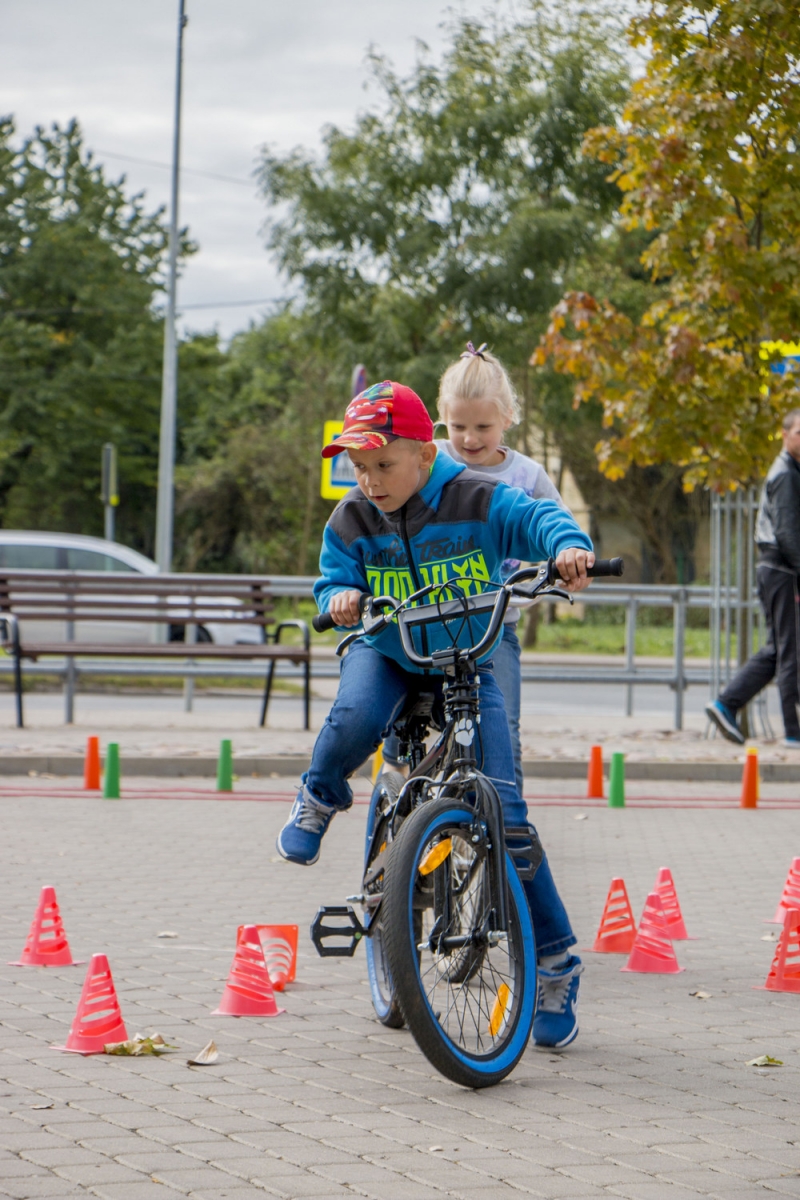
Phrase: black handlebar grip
pixel 324 621
pixel 607 566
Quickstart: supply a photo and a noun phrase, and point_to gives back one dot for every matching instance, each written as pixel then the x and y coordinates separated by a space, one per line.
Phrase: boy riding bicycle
pixel 417 518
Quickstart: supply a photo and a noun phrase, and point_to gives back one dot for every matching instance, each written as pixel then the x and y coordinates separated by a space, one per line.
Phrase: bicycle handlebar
pixel 494 602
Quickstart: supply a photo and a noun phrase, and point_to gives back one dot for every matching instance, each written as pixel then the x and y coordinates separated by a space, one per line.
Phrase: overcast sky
pixel 255 71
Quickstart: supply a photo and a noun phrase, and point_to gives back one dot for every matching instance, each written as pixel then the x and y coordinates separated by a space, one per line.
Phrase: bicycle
pixel 450 943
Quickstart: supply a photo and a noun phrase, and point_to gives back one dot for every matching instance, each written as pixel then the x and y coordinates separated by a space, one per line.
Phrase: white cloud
pixel 253 73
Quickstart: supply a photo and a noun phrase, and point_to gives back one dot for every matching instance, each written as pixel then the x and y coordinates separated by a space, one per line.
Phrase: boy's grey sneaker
pixel 556 1020
pixel 301 837
pixel 791 743
pixel 725 720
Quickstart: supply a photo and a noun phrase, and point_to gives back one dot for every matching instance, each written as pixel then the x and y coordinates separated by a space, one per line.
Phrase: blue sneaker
pixel 556 1020
pixel 791 743
pixel 725 720
pixel 301 837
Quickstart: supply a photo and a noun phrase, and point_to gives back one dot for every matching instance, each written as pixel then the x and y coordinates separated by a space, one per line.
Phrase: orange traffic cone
pixel 652 951
pixel 594 778
pixel 98 1020
pixel 91 765
pixel 749 797
pixel 248 992
pixel 790 898
pixel 665 887
pixel 784 974
pixel 279 943
pixel 47 944
pixel 617 927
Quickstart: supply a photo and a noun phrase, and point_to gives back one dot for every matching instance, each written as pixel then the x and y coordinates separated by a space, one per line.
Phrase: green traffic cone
pixel 225 766
pixel 616 782
pixel 111 778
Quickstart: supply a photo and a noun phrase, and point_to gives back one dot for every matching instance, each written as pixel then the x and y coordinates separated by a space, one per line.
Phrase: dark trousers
pixel 778 592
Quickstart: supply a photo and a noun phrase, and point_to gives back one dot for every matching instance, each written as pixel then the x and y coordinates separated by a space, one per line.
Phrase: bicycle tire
pixel 474 1031
pixel 384 1000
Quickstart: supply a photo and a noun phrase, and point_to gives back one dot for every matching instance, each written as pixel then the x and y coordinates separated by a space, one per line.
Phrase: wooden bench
pixel 176 610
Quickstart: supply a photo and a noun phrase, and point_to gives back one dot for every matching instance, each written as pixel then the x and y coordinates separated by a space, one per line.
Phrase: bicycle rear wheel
pixel 386 791
pixel 468 996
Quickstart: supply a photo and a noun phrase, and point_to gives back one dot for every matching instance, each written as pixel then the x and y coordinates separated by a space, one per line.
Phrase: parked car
pixel 34 551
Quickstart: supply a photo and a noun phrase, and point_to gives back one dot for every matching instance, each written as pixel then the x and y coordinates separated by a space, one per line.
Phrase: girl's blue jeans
pixel 372 692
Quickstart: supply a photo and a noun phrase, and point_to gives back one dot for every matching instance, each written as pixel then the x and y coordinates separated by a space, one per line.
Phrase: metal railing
pixel 728 610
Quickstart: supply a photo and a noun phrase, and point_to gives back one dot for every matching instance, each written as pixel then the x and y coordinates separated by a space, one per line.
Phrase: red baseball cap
pixel 384 412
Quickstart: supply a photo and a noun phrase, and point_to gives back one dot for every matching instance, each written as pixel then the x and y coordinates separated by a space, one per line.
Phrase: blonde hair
pixel 478 375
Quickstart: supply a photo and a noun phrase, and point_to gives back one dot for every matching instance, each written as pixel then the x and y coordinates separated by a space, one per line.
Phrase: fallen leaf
pixel 770 937
pixel 764 1061
pixel 50 1104
pixel 433 1149
pixel 701 995
pixel 136 1046
pixel 208 1055
pixel 166 933
pixel 581 817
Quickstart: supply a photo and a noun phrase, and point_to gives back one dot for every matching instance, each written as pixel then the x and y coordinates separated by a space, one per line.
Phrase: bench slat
pixel 165 650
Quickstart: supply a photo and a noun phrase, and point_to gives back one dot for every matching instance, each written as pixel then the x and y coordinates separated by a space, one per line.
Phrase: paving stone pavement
pixel 653 1100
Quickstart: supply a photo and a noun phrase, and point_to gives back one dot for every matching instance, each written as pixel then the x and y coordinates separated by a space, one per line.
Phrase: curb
pixel 294 764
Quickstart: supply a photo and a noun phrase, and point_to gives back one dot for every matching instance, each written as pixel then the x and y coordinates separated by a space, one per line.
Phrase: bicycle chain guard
pixel 352 929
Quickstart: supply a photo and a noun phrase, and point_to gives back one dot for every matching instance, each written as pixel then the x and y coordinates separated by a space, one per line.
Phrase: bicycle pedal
pixel 527 851
pixel 350 928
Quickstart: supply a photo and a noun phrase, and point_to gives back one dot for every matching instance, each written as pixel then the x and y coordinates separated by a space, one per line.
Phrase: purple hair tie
pixel 471 352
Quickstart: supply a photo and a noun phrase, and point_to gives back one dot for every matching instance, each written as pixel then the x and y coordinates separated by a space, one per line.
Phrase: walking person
pixel 778 576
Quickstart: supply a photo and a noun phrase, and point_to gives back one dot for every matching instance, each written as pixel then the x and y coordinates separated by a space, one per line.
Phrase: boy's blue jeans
pixel 372 692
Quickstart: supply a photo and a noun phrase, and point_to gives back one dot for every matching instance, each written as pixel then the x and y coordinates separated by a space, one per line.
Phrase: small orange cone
pixel 790 898
pixel 665 887
pixel 98 1020
pixel 784 974
pixel 594 778
pixel 91 765
pixel 749 797
pixel 617 927
pixel 248 992
pixel 279 943
pixel 46 944
pixel 652 951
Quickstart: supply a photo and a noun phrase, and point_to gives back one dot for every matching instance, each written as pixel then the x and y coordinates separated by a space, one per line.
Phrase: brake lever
pixel 348 641
pixel 371 622
pixel 560 592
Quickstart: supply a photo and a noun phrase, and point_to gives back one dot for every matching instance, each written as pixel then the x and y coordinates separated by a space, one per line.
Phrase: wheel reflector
pixel 435 856
pixel 499 1008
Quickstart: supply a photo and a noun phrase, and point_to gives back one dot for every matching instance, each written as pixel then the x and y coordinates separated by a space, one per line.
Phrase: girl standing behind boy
pixel 478 403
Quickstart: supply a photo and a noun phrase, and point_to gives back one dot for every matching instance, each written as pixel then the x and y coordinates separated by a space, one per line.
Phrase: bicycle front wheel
pixel 467 990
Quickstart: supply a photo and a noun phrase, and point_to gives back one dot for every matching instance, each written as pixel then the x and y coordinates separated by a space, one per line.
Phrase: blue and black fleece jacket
pixel 459 527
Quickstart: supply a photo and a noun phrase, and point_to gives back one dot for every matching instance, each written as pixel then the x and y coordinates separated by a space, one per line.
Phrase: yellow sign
pixel 338 476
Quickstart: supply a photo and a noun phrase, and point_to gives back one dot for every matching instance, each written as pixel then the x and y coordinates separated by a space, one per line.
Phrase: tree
pixel 80 341
pixel 248 495
pixel 707 160
pixel 458 204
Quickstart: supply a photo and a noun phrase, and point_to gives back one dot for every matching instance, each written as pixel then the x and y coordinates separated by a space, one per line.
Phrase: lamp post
pixel 109 491
pixel 165 503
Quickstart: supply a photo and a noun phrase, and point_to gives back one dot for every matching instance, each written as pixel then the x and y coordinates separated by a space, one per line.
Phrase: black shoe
pixel 725 720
